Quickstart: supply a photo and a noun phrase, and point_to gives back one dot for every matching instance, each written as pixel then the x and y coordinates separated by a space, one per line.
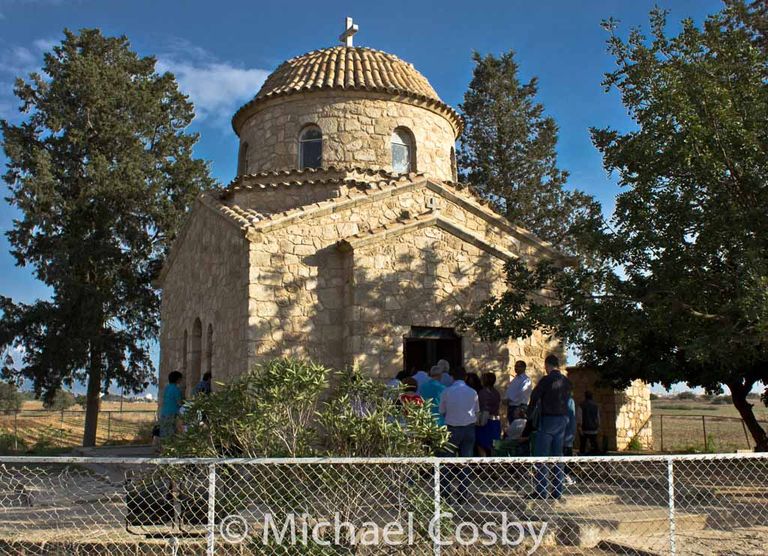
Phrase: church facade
pixel 345 237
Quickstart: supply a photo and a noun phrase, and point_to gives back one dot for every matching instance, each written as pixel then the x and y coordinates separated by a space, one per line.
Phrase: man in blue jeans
pixel 459 406
pixel 551 394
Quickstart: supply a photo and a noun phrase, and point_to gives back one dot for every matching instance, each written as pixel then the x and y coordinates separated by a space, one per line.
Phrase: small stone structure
pixel 625 414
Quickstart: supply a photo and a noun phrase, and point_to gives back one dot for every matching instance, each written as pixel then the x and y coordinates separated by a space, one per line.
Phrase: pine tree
pixel 103 174
pixel 507 151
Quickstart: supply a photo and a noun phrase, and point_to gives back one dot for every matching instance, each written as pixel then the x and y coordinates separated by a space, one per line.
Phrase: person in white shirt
pixel 459 407
pixel 518 394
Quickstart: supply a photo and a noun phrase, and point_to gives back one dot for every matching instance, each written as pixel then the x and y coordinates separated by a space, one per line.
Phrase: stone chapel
pixel 345 236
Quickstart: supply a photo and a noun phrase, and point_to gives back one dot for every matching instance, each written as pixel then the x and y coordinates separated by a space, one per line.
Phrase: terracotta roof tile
pixel 349 68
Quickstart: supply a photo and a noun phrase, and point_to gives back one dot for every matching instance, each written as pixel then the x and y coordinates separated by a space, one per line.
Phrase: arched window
pixel 185 353
pixel 209 350
pixel 242 159
pixel 403 151
pixel 195 357
pixel 454 167
pixel 310 147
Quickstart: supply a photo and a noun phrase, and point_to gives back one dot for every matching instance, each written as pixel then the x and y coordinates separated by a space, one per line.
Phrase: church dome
pixel 347 68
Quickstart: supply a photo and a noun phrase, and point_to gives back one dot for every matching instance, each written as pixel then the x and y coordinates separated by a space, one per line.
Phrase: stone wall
pixel 206 279
pixel 309 299
pixel 624 414
pixel 357 129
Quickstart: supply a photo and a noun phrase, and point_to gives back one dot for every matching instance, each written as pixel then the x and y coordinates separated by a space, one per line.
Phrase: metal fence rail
pixel 697 504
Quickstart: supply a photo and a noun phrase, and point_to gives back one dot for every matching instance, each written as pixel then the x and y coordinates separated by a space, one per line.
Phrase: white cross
pixel 349 32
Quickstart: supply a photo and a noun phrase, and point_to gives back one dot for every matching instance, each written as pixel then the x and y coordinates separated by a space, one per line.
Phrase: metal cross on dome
pixel 349 32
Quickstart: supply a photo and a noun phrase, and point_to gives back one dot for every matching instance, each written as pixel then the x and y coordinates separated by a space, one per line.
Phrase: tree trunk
pixel 739 396
pixel 92 400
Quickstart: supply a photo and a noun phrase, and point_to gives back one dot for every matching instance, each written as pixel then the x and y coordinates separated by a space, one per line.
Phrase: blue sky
pixel 222 51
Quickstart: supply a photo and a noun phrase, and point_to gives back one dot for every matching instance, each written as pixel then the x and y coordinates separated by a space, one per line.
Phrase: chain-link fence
pixel 584 505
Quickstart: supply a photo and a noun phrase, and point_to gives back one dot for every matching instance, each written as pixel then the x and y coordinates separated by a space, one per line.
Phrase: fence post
pixel 436 518
pixel 16 430
pixel 704 427
pixel 211 544
pixel 109 426
pixel 661 432
pixel 671 479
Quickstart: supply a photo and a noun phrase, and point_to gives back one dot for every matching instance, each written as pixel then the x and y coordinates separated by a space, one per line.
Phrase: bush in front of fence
pixel 298 408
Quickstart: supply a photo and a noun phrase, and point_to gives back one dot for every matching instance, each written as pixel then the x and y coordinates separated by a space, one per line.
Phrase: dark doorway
pixel 425 346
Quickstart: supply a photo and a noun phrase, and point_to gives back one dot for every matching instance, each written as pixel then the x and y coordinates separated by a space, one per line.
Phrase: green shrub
pixel 297 408
pixel 634 445
pixel 10 398
pixel 688 395
pixel 60 400
pixel 10 443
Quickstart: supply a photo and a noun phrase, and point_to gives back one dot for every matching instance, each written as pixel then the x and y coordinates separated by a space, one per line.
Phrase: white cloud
pixel 216 88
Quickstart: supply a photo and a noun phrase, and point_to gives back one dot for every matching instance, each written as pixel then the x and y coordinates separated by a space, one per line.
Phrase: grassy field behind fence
pixel 699 425
pixel 37 430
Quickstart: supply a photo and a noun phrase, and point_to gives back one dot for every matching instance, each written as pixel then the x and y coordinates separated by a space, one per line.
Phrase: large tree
pixel 102 173
pixel 675 287
pixel 508 152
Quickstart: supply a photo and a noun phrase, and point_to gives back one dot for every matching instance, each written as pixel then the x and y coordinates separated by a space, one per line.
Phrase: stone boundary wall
pixel 624 414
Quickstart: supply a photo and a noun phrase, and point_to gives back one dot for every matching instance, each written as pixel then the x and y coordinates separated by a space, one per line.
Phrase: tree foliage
pixel 11 399
pixel 102 173
pixel 507 151
pixel 675 287
pixel 296 408
pixel 60 401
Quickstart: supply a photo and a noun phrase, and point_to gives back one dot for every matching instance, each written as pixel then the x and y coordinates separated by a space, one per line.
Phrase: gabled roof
pixel 425 220
pixel 364 186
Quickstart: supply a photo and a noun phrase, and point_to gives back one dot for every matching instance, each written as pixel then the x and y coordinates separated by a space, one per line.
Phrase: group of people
pixel 542 420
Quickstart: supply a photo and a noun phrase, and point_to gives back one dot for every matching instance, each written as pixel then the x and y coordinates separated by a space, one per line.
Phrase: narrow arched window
pixel 209 350
pixel 185 353
pixel 195 356
pixel 454 167
pixel 310 147
pixel 403 151
pixel 242 159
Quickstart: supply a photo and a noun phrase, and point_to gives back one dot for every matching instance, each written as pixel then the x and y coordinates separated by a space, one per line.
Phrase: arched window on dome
pixel 310 147
pixel 454 167
pixel 242 159
pixel 403 151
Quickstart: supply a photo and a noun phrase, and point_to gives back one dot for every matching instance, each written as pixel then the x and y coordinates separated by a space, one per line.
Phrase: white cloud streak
pixel 216 88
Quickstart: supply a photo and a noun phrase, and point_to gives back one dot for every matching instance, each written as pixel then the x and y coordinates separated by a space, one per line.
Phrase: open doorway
pixel 425 346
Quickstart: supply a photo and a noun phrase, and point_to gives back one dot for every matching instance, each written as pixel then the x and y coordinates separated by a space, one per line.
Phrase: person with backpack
pixel 548 413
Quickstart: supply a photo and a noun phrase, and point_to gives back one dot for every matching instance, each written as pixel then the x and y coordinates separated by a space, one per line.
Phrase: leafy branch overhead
pixel 673 287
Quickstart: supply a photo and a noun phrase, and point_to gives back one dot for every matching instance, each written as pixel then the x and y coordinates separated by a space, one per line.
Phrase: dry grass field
pixel 700 426
pixel 40 431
